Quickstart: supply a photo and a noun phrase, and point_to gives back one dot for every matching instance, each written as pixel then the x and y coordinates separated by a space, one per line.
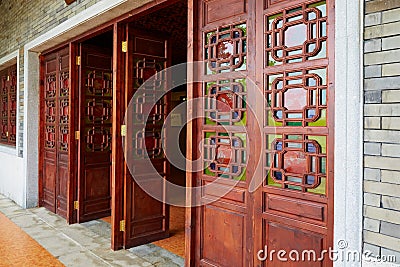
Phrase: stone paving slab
pixel 86 244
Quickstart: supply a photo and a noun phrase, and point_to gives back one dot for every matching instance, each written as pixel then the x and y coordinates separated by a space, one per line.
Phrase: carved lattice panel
pixel 4 109
pixel 64 84
pixel 98 83
pixel 50 137
pixel 98 110
pixel 148 144
pixel 297 98
pixel 144 69
pixel 297 34
pixel 225 102
pixel 225 48
pixel 51 113
pixel 50 87
pixel 64 138
pixel 8 106
pixel 225 155
pixel 297 162
pixel 98 139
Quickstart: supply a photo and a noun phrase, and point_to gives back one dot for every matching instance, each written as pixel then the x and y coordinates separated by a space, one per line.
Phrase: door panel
pixel 94 190
pixel 147 219
pixel 296 196
pixel 286 48
pixel 54 131
pixel 223 222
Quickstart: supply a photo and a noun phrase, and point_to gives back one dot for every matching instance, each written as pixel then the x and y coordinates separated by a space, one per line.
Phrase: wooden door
pixel 95 128
pixel 146 218
pixel 296 198
pixel 55 128
pixel 275 149
pixel 222 224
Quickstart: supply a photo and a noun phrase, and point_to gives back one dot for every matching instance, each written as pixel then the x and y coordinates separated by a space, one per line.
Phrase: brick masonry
pixel 24 20
pixel 381 231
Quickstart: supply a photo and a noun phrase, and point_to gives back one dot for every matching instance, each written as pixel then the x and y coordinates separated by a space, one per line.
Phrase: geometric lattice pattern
pixel 144 69
pixel 297 162
pixel 297 98
pixel 225 102
pixel 8 105
pixel 225 48
pixel 225 53
pixel 149 144
pixel 225 155
pixel 98 110
pixel 297 34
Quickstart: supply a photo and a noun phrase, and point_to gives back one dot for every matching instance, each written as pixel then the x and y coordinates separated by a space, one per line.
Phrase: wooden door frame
pixel 73 156
pixel 191 136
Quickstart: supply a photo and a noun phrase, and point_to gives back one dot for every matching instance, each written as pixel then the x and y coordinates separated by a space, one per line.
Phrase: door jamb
pixel 117 173
pixel 190 214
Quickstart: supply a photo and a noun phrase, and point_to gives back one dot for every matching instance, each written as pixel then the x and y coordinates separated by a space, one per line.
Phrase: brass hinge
pixel 77 135
pixel 125 46
pixel 123 130
pixel 8 78
pixel 122 226
pixel 76 205
pixel 78 60
pixel 7 134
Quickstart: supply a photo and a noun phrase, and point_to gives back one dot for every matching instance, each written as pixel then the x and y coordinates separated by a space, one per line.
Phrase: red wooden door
pixel 55 131
pixel 95 102
pixel 222 224
pixel 146 218
pixel 275 149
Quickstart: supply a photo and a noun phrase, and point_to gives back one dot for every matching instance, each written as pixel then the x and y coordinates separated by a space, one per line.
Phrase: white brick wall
pixel 382 128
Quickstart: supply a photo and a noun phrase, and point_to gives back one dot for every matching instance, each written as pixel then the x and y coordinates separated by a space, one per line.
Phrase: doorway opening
pixel 171 23
pixel 95 127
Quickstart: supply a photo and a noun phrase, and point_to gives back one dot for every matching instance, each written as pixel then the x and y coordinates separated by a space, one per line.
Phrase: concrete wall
pixel 382 127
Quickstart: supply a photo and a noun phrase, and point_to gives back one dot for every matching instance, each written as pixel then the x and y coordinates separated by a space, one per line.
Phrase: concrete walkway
pixel 86 244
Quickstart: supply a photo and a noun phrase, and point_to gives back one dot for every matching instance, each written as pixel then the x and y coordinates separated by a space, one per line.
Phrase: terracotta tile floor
pixel 19 249
pixel 176 242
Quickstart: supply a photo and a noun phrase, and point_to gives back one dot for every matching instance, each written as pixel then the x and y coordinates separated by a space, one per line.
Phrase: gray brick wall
pixel 22 21
pixel 381 233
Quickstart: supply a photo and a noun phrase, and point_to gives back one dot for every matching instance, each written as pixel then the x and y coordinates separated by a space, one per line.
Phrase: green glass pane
pixel 321 121
pixel 271 138
pixel 210 122
pixel 294 187
pixel 294 137
pixel 321 140
pixel 271 120
pixel 321 189
pixel 242 137
pixel 207 171
pixel 243 121
pixel 271 181
pixel 296 123
pixel 323 165
pixel 242 177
